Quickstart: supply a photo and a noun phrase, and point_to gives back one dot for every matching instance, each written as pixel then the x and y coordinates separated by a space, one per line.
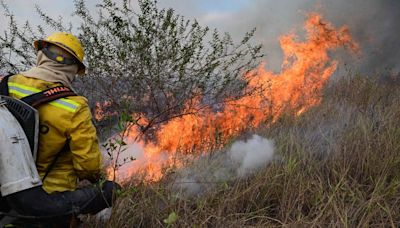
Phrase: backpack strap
pixel 48 95
pixel 4 85
pixel 50 167
pixel 39 98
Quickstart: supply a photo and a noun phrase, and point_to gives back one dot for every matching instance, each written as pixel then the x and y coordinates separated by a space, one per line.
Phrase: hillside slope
pixel 338 165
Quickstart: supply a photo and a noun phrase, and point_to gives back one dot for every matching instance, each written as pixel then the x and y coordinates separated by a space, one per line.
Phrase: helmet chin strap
pixel 58 58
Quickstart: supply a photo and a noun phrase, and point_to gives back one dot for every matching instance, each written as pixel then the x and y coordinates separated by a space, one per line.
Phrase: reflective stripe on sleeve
pixel 22 91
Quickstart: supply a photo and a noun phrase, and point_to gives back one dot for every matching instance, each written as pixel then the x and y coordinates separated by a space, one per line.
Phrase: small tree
pixel 152 62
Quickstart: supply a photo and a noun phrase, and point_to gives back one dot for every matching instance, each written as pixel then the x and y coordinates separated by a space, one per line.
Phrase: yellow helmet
pixel 67 42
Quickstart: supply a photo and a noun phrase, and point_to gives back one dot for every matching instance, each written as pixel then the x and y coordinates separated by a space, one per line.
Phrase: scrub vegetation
pixel 339 166
pixel 153 61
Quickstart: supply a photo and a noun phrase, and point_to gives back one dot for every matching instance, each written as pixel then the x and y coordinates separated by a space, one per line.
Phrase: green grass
pixel 339 165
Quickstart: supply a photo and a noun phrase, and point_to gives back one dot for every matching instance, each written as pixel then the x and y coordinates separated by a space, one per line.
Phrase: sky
pixel 202 9
pixel 373 23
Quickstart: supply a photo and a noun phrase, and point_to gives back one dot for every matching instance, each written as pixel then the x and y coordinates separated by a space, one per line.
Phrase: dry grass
pixel 339 166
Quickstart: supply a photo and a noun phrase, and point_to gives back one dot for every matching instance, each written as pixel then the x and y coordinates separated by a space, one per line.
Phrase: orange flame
pixel 100 113
pixel 306 68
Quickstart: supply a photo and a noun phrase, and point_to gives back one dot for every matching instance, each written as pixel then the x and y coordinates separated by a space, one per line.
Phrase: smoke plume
pixel 252 154
pixel 244 158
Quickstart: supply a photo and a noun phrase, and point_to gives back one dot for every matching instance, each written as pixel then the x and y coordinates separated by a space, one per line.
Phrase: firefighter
pixel 68 146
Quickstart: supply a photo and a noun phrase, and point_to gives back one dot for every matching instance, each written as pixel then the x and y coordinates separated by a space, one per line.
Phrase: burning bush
pixel 153 62
pixel 200 129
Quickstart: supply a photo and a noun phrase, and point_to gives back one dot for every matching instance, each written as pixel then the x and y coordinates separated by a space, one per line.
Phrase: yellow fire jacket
pixel 65 120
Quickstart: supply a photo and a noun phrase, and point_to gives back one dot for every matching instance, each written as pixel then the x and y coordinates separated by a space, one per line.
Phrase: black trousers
pixel 36 206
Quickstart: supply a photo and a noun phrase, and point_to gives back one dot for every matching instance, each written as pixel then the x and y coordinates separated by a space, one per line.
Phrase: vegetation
pixel 153 62
pixel 339 166
pixel 339 162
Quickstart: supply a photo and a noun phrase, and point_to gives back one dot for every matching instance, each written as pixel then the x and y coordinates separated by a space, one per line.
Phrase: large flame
pixel 306 68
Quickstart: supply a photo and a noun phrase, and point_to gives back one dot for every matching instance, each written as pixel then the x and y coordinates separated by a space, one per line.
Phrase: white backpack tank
pixel 17 154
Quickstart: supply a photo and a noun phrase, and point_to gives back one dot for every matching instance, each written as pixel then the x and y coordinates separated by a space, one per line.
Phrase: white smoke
pixel 241 159
pixel 245 157
pixel 252 154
